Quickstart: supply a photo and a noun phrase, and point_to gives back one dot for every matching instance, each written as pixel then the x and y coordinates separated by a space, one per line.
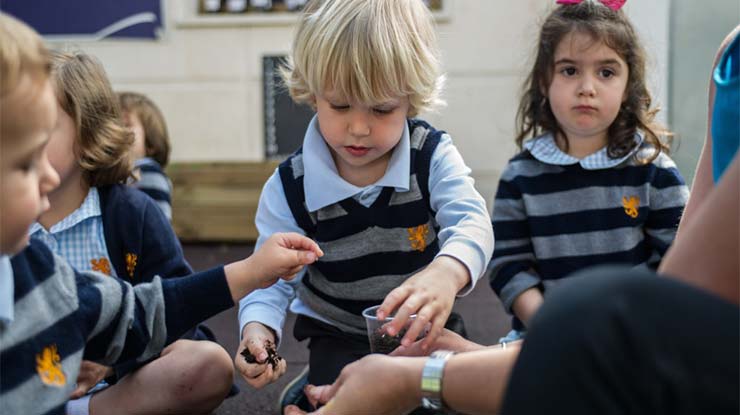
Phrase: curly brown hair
pixel 85 94
pixel 156 138
pixel 601 23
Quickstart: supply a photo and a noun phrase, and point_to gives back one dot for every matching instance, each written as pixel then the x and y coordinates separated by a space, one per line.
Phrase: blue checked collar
pixel 89 208
pixel 7 290
pixel 544 149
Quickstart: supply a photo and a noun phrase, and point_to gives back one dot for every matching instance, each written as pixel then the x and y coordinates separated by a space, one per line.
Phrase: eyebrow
pixel 601 62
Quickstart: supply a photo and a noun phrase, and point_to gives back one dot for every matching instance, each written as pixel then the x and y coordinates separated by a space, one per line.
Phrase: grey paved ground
pixel 484 320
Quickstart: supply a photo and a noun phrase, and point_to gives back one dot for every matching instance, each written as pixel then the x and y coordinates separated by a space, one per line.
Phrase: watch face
pixel 429 403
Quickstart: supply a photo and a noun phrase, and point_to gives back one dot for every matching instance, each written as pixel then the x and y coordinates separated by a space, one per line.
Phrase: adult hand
pixel 375 384
pixel 447 340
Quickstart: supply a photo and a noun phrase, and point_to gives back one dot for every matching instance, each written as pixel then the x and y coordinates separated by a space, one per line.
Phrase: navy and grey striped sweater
pixel 553 220
pixel 62 316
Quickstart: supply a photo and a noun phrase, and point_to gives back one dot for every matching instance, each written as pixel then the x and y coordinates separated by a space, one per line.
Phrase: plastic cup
pixel 380 340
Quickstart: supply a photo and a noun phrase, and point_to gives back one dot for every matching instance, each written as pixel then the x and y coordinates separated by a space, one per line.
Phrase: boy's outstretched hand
pixel 429 294
pixel 281 256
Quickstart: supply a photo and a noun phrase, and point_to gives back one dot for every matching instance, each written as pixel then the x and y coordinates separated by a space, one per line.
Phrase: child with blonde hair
pixel 97 223
pixel 51 316
pixel 151 148
pixel 386 195
pixel 593 183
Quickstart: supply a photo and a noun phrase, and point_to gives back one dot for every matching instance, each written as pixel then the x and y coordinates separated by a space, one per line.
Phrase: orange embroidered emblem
pixel 101 265
pixel 49 366
pixel 131 264
pixel 418 237
pixel 631 205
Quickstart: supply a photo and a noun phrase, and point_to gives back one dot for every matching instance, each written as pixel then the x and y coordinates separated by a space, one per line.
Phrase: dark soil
pixel 382 342
pixel 272 357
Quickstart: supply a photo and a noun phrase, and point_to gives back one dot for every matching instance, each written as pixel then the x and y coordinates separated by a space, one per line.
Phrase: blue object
pixel 726 114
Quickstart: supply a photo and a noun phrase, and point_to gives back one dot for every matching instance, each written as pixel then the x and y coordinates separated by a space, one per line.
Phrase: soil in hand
pixel 272 357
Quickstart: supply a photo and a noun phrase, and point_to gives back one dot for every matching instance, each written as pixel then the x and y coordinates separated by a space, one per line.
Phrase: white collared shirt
pixel 545 149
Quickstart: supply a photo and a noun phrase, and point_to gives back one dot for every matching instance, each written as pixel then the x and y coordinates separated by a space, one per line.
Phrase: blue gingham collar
pixel 7 290
pixel 544 149
pixel 89 208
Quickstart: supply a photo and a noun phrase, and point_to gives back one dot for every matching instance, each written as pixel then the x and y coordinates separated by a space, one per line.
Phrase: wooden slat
pixel 217 201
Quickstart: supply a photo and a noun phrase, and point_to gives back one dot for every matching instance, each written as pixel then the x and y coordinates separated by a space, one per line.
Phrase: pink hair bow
pixel 612 4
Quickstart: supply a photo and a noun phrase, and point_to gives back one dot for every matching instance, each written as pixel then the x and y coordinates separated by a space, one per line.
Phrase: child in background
pixel 151 149
pixel 99 224
pixel 593 183
pixel 386 196
pixel 51 316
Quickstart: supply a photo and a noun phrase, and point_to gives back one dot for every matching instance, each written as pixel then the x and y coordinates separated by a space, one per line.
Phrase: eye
pixel 339 107
pixel 383 110
pixel 607 73
pixel 568 71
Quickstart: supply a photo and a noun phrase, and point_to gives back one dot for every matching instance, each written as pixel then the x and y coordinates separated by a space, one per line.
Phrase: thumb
pixel 306 257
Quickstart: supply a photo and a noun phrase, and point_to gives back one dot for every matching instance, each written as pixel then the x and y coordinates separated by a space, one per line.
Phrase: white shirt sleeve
pixel 466 233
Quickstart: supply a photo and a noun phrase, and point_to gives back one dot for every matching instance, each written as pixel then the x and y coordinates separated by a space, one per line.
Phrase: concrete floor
pixel 484 318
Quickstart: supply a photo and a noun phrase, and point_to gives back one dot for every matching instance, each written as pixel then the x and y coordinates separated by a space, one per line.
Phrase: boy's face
pixel 29 114
pixel 133 122
pixel 361 137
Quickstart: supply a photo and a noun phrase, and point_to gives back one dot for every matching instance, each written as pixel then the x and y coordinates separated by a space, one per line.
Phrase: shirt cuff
pixel 470 257
pixel 518 284
pixel 265 314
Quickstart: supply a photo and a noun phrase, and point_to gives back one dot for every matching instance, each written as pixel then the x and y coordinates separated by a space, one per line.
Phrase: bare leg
pixel 190 377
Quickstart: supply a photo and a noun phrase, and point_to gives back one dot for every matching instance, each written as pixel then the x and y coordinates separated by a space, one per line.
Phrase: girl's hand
pixel 430 295
pixel 257 338
pixel 89 376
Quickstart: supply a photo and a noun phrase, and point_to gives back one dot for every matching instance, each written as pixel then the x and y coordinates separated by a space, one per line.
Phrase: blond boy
pixel 387 196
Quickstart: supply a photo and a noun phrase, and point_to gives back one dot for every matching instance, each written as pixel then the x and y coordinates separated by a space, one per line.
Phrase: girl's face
pixel 138 149
pixel 361 137
pixel 588 87
pixel 63 148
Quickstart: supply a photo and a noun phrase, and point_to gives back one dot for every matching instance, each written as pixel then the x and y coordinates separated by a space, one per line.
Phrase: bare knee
pixel 206 374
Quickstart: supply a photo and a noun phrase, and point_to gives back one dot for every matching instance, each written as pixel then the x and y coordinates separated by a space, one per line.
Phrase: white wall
pixel 207 79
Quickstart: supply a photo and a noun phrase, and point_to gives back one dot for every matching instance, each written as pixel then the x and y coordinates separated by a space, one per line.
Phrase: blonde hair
pixel 369 51
pixel 21 52
pixel 156 138
pixel 85 94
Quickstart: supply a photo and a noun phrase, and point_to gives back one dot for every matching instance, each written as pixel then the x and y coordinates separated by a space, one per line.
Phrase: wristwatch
pixel 431 380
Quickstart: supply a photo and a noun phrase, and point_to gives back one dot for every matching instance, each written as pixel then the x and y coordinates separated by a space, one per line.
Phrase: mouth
pixel 357 151
pixel 584 108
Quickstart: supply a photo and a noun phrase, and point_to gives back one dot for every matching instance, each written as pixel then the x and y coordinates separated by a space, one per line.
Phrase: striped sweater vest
pixel 368 251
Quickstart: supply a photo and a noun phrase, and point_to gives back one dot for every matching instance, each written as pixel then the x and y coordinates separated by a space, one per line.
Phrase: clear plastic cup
pixel 380 340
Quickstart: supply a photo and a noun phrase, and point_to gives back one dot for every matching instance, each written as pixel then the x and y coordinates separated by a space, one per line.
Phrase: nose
pixel 49 179
pixel 359 124
pixel 586 88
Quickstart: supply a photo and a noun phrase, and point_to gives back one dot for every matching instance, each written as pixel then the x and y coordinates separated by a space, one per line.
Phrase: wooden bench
pixel 217 201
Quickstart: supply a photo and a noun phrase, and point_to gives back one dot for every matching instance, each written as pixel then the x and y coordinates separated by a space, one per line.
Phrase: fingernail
pixel 311 256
